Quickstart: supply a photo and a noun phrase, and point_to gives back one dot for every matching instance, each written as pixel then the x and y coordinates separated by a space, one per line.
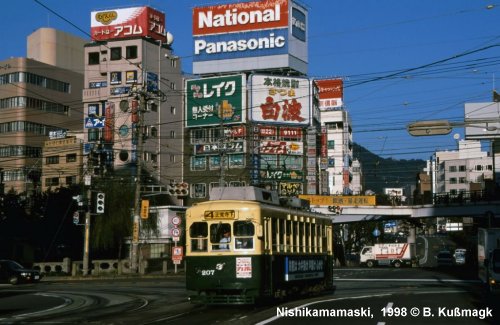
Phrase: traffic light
pixel 178 189
pixel 99 202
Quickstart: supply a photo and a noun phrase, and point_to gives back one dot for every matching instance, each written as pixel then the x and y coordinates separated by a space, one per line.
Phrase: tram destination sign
pixel 219 214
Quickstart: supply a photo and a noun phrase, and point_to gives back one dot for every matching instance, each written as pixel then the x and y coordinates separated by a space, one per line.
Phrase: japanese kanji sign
pixel 126 23
pixel 211 101
pixel 277 99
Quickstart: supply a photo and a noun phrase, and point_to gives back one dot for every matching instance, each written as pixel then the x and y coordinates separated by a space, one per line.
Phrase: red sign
pixel 109 123
pixel 126 23
pixel 239 17
pixel 331 92
pixel 267 131
pixel 291 133
pixel 177 253
pixel 238 131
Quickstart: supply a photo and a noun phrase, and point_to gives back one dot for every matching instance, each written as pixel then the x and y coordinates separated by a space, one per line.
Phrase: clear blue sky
pixel 361 41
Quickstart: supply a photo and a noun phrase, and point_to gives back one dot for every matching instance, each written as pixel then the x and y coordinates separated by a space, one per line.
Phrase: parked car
pixel 444 258
pixel 14 273
pixel 460 256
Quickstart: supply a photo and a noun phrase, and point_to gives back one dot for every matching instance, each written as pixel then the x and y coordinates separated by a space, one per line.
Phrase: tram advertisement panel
pixel 301 268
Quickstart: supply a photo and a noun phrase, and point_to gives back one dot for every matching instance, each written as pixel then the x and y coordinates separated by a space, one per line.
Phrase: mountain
pixel 380 173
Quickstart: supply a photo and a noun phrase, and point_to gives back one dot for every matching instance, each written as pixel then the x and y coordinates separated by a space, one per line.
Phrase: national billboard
pixel 276 99
pixel 235 37
pixel 330 93
pixel 212 101
pixel 127 23
pixel 240 17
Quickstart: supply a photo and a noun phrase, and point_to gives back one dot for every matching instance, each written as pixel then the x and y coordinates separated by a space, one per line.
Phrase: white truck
pixel 394 254
pixel 488 257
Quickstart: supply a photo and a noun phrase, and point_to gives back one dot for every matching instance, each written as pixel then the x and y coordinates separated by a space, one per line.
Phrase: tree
pixel 109 229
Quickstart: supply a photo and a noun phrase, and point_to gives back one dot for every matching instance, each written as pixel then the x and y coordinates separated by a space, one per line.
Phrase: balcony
pixel 95 94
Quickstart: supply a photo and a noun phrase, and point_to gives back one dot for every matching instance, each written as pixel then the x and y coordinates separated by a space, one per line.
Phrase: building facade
pixel 133 85
pixel 464 170
pixel 62 162
pixel 253 117
pixel 37 99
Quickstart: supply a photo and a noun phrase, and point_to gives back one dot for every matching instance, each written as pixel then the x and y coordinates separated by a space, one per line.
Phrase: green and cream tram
pixel 242 246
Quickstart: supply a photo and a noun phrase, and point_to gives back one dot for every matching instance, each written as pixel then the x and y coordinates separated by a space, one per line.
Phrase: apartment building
pixel 37 98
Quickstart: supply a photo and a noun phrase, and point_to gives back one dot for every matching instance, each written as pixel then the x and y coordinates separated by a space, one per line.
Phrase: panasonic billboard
pixel 250 36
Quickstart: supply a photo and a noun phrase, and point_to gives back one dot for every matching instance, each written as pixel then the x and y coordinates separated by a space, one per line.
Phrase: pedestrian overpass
pixel 380 213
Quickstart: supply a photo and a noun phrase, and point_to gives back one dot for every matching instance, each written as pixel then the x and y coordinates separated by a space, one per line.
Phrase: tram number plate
pixel 207 272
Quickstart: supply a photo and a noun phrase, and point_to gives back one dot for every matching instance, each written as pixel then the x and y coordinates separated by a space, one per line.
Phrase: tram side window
pixel 243 234
pixel 199 233
pixel 220 236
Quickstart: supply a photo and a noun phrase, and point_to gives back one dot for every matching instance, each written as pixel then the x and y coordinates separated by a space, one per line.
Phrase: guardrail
pixel 104 267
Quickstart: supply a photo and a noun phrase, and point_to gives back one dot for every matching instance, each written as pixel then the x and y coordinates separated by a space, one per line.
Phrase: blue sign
pixel 376 232
pixel 151 82
pixel 94 122
pixel 241 45
pixel 299 24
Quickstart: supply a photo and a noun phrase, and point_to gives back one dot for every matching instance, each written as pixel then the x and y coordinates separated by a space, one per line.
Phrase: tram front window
pixel 243 233
pixel 199 233
pixel 220 236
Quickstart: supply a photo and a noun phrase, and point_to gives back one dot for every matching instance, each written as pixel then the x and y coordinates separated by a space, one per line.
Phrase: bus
pixel 243 247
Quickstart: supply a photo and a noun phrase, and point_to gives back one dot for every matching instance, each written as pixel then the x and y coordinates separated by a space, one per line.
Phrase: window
pixel 237 184
pixel 236 161
pixel 331 144
pixel 115 78
pixel 52 160
pixel 461 180
pixel 243 234
pixel 478 167
pixel 172 110
pixel 116 53
pixel 198 190
pixel 131 52
pixel 214 162
pixel 198 232
pixel 154 132
pixel 461 168
pixel 172 134
pixel 198 163
pixel 220 236
pixel 71 157
pixel 453 169
pixel 198 136
pixel 93 58
pixel 70 180
pixel 93 135
pixel 52 181
pixel 453 180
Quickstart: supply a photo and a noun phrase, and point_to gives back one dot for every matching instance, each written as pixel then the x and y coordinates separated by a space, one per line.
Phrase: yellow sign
pixel 144 209
pixel 340 200
pixel 219 214
pixel 135 232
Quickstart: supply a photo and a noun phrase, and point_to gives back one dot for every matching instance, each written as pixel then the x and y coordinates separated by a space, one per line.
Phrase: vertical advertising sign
pixel 212 101
pixel 109 123
pixel 127 23
pixel 331 93
pixel 276 99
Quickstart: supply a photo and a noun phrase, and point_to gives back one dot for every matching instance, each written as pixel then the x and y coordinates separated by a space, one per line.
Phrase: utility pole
pixel 88 197
pixel 137 204
pixel 221 150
